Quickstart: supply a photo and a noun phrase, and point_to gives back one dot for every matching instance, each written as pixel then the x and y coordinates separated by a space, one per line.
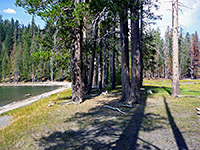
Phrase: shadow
pixel 103 128
pixel 168 90
pixel 157 89
pixel 180 141
pixel 85 97
pixel 65 98
pixel 97 129
pixel 139 122
pixel 148 145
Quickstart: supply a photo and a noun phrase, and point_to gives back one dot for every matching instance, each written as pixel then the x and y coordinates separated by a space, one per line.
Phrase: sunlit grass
pixel 29 119
pixel 168 81
pixel 38 120
pixel 161 87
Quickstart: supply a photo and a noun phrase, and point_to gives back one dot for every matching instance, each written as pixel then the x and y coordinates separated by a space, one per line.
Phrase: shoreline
pixel 36 84
pixel 25 102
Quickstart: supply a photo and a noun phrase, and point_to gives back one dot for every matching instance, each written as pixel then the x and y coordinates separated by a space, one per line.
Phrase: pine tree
pixel 25 56
pixel 125 53
pixel 188 54
pixel 135 56
pixel 195 56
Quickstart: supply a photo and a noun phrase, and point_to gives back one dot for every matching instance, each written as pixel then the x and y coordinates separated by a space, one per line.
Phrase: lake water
pixel 9 94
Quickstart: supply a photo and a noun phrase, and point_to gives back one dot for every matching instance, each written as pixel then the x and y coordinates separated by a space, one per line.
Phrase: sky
pixel 189 18
pixel 8 10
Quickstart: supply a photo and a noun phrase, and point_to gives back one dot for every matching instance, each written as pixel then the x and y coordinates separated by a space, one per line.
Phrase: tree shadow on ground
pixel 103 128
pixel 85 97
pixel 168 90
pixel 180 141
pixel 157 89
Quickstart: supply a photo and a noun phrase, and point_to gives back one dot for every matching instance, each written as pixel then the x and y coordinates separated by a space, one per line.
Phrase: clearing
pixel 161 122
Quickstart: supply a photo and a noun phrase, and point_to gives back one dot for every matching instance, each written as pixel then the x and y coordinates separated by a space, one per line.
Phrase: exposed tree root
pixel 126 105
pixel 113 108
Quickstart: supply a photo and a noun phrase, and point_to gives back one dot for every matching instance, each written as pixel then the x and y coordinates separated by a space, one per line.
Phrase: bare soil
pixel 5 121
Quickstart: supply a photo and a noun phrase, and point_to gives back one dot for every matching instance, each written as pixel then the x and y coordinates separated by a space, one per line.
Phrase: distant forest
pixel 31 54
pixel 27 53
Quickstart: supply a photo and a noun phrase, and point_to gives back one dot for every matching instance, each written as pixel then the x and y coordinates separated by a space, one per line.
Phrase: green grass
pixel 30 118
pixel 163 81
pixel 32 122
pixel 164 87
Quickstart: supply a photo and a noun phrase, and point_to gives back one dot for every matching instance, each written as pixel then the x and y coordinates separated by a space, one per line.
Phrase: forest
pixel 93 44
pixel 125 84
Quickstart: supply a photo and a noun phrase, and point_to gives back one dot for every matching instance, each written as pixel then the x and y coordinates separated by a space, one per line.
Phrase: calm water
pixel 9 94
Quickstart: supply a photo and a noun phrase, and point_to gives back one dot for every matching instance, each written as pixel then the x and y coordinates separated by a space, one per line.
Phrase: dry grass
pixel 90 126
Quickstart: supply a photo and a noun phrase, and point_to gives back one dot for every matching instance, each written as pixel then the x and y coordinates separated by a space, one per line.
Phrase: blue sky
pixel 8 10
pixel 189 19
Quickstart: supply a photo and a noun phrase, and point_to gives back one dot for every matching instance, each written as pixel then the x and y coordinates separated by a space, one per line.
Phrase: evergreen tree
pixel 195 56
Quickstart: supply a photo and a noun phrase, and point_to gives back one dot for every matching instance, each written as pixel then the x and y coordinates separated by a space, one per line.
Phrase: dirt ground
pixel 4 121
pixel 158 123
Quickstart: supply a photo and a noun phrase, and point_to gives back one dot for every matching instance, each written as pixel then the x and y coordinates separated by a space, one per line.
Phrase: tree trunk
pixel 125 55
pixel 113 63
pixel 91 71
pixel 51 67
pixel 85 73
pixel 96 71
pixel 141 41
pixel 135 58
pixel 175 62
pixel 117 61
pixel 100 71
pixel 104 62
pixel 77 89
pixel 107 70
pixel 52 53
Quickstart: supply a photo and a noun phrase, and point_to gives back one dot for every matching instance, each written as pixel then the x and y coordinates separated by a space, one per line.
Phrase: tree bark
pixel 175 63
pixel 104 62
pixel 125 55
pixel 107 70
pixel 141 41
pixel 135 58
pixel 91 71
pixel 77 89
pixel 113 63
pixel 100 71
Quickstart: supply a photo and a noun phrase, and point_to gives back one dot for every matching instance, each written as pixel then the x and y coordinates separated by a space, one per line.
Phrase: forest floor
pixel 160 122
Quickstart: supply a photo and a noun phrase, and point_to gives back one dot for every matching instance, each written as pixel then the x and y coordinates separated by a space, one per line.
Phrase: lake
pixel 9 94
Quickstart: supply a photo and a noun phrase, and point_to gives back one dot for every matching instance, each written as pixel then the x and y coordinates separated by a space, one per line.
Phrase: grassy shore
pixel 160 122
